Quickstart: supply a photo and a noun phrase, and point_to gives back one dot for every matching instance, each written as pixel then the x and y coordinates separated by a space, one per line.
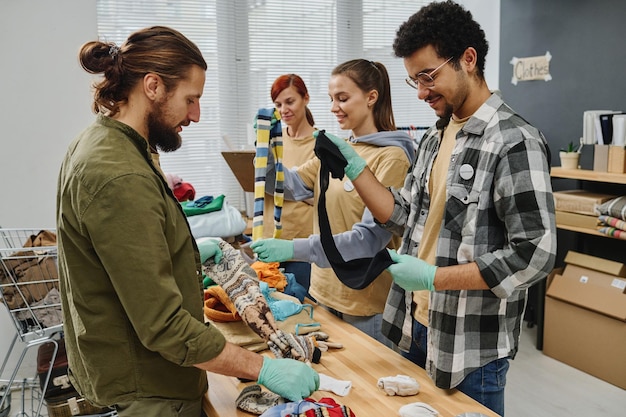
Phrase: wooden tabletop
pixel 362 361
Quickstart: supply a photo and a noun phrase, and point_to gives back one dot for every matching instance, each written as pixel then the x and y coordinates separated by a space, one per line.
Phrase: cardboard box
pixel 577 220
pixel 586 157
pixel 617 159
pixel 600 158
pixel 585 322
pixel 579 201
pixel 242 165
pixel 597 264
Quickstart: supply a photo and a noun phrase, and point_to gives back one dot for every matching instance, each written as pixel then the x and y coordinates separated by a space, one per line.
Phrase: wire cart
pixel 29 284
pixel 29 289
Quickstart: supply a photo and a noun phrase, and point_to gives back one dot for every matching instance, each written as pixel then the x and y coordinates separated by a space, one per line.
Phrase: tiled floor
pixel 540 386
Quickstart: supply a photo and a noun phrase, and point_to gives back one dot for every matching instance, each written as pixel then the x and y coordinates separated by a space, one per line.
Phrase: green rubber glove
pixel 273 250
pixel 411 273
pixel 356 164
pixel 289 378
pixel 209 248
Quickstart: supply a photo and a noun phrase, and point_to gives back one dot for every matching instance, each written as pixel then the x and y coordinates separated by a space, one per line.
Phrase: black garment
pixel 357 273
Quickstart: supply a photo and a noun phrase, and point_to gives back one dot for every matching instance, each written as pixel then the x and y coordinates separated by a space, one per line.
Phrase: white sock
pixel 417 410
pixel 402 385
pixel 339 387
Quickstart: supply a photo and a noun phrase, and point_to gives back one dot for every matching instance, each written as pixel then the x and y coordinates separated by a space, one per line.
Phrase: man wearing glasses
pixel 476 212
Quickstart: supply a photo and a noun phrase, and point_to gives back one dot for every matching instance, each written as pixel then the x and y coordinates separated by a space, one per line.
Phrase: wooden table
pixel 363 361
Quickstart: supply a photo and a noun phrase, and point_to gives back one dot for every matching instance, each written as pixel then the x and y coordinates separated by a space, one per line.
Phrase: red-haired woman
pixel 291 98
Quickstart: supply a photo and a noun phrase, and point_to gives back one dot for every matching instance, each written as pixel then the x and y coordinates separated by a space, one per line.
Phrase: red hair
pixel 292 80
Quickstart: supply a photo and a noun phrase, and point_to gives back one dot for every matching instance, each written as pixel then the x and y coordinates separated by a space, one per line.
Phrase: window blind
pixel 247 44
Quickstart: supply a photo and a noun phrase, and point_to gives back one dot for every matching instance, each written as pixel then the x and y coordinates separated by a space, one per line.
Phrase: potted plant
pixel 570 156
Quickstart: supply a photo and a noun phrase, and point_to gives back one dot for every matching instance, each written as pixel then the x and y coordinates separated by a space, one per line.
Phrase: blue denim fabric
pixel 417 352
pixel 486 385
pixel 370 325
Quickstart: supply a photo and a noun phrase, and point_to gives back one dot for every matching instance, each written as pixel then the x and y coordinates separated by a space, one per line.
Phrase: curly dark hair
pixel 448 27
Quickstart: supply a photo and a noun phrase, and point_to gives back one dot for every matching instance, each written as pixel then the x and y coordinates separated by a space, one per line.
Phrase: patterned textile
pixel 613 232
pixel 504 221
pixel 324 407
pixel 268 137
pixel 239 281
pixel 614 208
pixel 256 401
pixel 614 227
pixel 238 332
pixel 241 284
pixel 613 222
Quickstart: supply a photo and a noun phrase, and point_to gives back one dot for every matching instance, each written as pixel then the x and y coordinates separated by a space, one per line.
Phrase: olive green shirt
pixel 129 274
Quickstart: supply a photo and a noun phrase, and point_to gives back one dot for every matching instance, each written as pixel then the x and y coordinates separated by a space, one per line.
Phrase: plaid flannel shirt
pixel 499 213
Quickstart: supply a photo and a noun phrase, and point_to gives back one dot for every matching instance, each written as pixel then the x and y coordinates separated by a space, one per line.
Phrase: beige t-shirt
pixel 345 207
pixel 437 189
pixel 296 216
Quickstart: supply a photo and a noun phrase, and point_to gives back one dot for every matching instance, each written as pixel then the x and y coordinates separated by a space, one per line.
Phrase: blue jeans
pixel 419 338
pixel 486 385
pixel 370 325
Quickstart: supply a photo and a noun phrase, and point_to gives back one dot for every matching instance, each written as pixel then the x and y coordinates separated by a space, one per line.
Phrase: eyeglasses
pixel 426 79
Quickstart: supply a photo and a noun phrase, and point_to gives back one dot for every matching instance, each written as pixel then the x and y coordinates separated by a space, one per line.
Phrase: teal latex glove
pixel 273 250
pixel 289 378
pixel 411 273
pixel 356 164
pixel 209 248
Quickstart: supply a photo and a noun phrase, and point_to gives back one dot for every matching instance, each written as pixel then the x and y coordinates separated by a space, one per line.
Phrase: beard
pixel 160 135
pixel 447 112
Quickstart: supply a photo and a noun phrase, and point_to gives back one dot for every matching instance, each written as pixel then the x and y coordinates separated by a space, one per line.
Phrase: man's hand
pixel 209 248
pixel 273 250
pixel 356 164
pixel 411 273
pixel 289 378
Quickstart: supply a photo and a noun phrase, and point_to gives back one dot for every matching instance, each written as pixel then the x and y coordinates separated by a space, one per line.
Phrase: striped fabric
pixel 614 227
pixel 269 138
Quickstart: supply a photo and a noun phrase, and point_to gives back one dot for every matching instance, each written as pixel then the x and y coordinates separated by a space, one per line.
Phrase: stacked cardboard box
pixel 577 207
pixel 617 159
pixel 585 317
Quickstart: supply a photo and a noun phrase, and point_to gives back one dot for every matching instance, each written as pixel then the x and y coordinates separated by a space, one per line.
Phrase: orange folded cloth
pixel 218 307
pixel 268 272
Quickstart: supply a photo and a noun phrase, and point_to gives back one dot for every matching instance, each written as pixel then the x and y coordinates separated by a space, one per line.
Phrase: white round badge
pixel 348 186
pixel 466 171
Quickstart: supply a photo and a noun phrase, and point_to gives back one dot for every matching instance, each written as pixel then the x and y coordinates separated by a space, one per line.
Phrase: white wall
pixel 487 14
pixel 44 101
